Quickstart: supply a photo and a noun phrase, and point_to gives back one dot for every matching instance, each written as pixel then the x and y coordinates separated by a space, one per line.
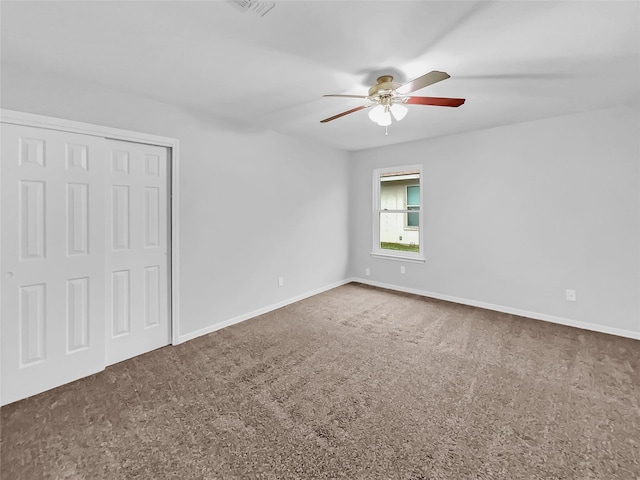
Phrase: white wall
pixel 254 205
pixel 516 215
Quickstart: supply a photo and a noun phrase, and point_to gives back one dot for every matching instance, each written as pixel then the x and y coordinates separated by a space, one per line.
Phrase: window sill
pixel 398 257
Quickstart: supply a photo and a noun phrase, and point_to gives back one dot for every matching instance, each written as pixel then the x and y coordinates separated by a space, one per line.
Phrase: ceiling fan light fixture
pixel 398 111
pixel 383 96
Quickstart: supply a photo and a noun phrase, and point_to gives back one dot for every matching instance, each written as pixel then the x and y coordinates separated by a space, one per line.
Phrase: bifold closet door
pixel 137 300
pixel 52 255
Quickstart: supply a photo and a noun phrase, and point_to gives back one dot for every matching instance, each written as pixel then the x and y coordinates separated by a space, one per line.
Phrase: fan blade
pixel 345 113
pixel 347 96
pixel 423 81
pixel 437 101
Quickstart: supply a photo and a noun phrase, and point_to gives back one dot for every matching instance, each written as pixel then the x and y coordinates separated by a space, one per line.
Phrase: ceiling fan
pixel 388 98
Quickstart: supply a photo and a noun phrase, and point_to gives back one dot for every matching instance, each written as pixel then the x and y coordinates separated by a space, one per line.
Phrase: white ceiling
pixel 513 61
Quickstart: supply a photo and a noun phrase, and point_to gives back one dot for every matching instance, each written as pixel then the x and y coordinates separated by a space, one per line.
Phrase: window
pixel 397 215
pixel 413 203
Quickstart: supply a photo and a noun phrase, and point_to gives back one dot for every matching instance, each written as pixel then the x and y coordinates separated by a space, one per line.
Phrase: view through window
pixel 398 205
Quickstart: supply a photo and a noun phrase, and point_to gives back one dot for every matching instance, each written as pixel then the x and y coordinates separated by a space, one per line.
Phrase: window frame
pixel 377 251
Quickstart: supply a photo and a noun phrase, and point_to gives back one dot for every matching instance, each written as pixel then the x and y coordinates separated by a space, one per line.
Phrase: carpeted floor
pixel 358 383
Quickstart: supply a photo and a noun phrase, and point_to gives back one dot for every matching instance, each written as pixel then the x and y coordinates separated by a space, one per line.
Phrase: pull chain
pixel 386 130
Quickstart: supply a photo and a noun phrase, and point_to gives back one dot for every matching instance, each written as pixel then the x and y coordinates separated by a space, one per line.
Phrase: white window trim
pixel 377 252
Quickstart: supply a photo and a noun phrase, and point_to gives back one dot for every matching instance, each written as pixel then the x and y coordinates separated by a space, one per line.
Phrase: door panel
pixel 137 261
pixel 52 259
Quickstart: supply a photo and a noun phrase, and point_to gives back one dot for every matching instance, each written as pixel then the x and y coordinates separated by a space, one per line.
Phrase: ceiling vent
pixel 261 8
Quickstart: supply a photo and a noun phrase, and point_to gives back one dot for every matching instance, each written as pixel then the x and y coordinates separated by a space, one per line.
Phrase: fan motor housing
pixel 385 85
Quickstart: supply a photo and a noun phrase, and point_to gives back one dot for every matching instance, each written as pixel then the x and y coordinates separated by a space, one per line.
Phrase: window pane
pixel 393 189
pixel 413 219
pixel 413 195
pixel 394 234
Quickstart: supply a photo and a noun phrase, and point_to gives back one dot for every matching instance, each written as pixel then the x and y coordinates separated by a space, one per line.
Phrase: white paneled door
pixel 52 256
pixel 84 255
pixel 137 247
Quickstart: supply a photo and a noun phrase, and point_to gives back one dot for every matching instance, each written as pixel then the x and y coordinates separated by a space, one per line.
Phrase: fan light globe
pixel 376 113
pixel 399 111
pixel 384 119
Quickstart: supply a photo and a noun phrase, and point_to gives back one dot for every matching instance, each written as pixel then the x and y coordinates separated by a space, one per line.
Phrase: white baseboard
pixel 499 308
pixel 255 313
pixel 464 301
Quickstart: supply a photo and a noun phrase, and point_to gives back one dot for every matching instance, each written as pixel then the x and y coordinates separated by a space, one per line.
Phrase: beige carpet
pixel 357 382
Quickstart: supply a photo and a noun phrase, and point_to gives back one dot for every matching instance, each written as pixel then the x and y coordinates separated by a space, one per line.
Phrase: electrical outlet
pixel 367 271
pixel 403 269
pixel 571 295
pixel 281 281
